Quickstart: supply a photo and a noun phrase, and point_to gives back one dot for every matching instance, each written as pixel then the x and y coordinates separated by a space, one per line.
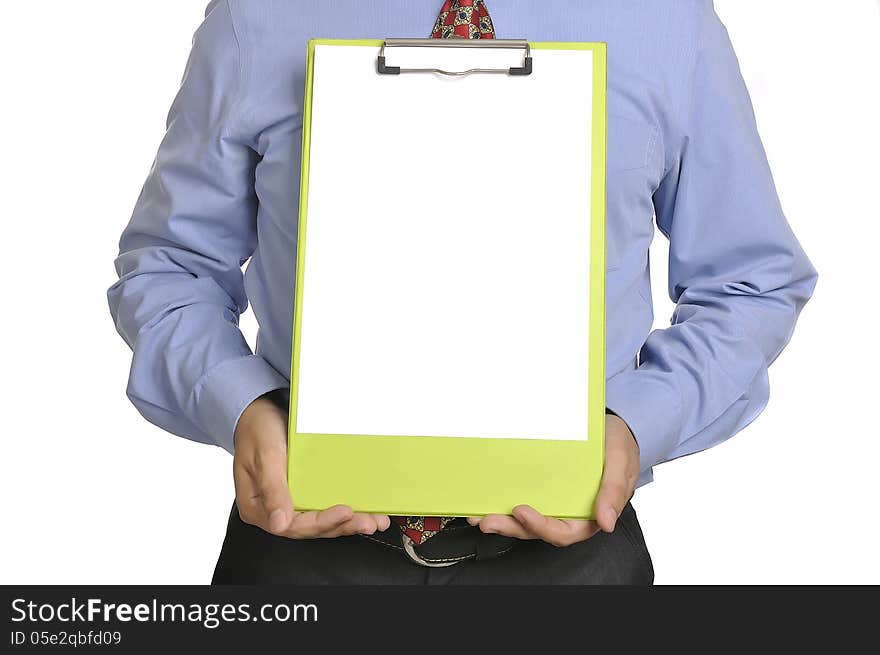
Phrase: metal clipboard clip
pixel 460 42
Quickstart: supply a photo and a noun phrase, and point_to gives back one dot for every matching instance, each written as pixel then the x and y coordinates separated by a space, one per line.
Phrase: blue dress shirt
pixel 683 149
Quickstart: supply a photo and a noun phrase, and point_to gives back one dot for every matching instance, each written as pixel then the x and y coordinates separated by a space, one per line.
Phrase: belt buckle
pixel 410 550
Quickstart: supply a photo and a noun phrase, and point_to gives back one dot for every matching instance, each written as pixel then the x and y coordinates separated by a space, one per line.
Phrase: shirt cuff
pixel 651 408
pixel 225 392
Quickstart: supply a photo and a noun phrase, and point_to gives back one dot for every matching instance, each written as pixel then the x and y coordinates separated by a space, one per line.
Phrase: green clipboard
pixel 458 475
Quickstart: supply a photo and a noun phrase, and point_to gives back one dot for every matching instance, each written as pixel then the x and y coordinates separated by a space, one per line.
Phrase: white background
pixel 94 494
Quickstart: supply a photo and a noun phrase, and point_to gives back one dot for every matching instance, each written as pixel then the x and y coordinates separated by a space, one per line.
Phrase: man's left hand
pixel 618 485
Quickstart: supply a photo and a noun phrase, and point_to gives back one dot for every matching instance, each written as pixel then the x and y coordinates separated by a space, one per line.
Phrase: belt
pixel 457 542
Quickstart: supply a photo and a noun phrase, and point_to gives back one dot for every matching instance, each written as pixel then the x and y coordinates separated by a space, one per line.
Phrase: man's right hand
pixel 261 492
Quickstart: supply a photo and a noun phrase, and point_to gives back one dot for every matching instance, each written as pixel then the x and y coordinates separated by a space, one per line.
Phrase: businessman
pixel 684 155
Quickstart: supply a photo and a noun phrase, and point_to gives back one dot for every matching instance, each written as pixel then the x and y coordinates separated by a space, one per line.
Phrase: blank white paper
pixel 446 288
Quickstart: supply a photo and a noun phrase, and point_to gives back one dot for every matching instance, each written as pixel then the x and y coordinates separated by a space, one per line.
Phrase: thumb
pixel 614 492
pixel 273 489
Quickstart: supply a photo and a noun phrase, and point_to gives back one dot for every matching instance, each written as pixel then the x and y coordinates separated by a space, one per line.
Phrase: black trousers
pixel 252 556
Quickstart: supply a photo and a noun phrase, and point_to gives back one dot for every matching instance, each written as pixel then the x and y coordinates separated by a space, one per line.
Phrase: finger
pixel 615 491
pixel 552 530
pixel 247 499
pixel 506 526
pixel 358 524
pixel 311 525
pixel 383 521
pixel 474 520
pixel 274 492
pixel 362 523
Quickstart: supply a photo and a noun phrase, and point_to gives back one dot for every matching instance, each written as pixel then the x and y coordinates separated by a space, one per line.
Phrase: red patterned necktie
pixel 464 19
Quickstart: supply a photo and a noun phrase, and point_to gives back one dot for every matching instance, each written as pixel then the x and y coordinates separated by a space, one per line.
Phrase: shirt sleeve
pixel 180 290
pixel 737 273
